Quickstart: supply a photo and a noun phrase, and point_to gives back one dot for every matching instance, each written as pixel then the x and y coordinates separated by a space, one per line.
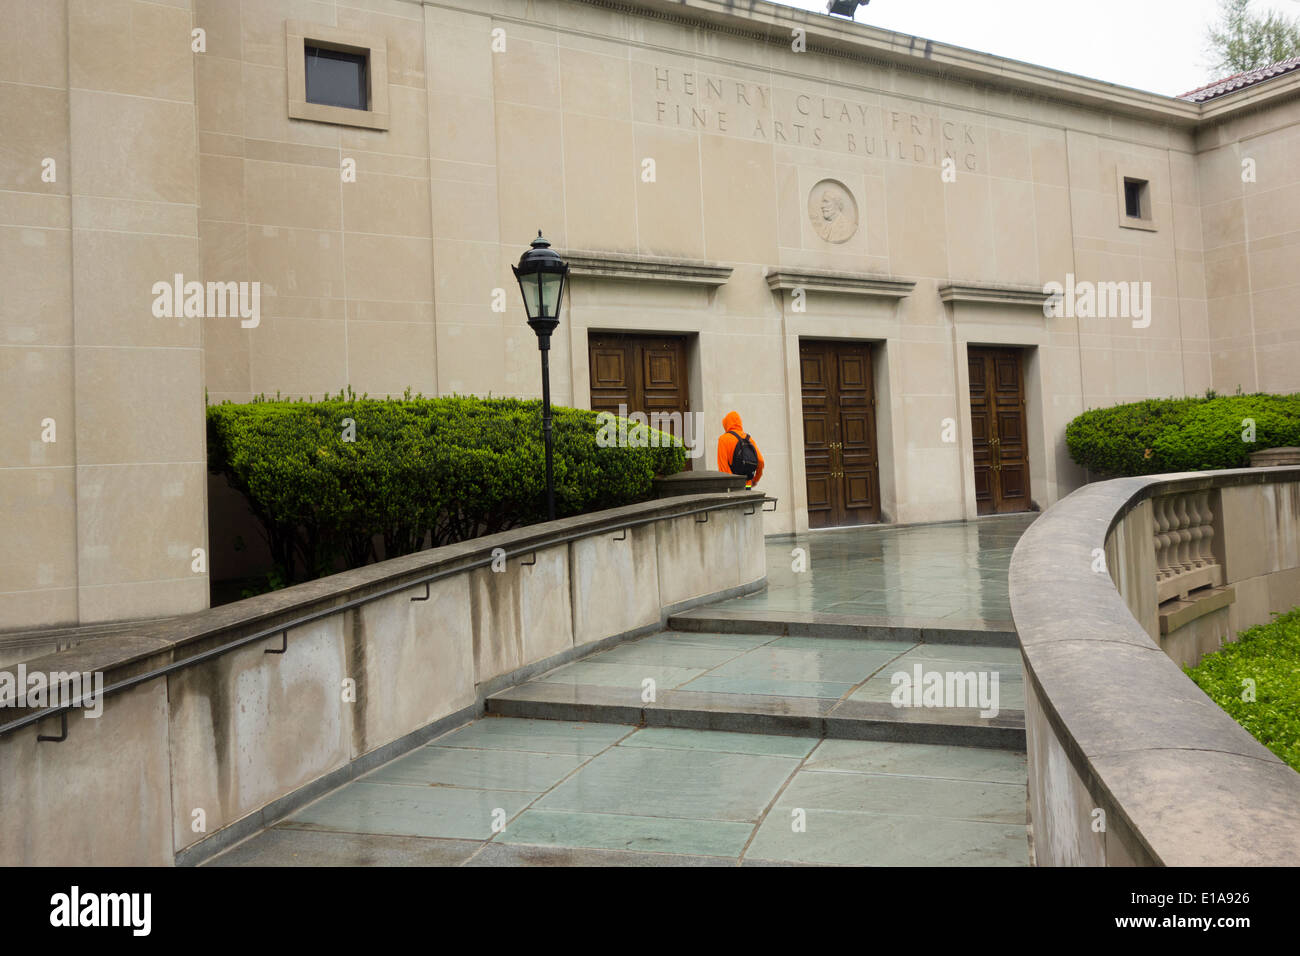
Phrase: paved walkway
pixel 607 794
pixel 831 668
pixel 954 572
pixel 756 731
pixel 767 683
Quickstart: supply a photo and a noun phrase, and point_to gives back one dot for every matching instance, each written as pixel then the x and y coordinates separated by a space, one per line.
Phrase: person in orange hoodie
pixel 737 451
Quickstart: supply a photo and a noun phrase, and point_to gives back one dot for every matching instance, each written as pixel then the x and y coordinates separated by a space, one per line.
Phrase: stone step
pixel 715 620
pixel 741 713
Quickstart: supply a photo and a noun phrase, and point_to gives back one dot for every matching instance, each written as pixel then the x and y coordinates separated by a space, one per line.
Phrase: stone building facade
pixel 847 235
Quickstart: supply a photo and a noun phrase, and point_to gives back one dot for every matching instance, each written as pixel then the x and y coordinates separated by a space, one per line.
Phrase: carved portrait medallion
pixel 833 211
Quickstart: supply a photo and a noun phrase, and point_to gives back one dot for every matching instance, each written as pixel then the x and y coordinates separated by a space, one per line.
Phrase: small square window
pixel 1133 189
pixel 1136 204
pixel 336 78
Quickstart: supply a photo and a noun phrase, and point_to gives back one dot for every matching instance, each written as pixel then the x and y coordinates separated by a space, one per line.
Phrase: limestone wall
pixel 102 460
pixel 1249 203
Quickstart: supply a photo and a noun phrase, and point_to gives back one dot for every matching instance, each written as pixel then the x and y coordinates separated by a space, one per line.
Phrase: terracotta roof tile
pixel 1240 81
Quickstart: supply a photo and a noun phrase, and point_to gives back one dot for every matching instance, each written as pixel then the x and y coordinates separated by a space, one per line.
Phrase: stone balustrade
pixel 1184 538
pixel 1129 761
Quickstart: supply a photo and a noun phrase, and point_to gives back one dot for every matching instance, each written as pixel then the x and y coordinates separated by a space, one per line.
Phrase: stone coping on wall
pixel 1192 785
pixel 698 483
pixel 1274 457
pixel 153 644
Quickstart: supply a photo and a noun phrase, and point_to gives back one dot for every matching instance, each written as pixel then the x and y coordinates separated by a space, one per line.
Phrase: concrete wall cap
pixel 153 644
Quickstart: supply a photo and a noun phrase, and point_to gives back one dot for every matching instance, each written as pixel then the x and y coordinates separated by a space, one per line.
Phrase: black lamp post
pixel 541 274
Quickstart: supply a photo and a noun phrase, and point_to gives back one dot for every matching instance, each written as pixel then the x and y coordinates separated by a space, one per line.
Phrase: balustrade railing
pixel 1184 537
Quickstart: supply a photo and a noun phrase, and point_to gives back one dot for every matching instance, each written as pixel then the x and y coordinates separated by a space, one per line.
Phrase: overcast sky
pixel 1156 45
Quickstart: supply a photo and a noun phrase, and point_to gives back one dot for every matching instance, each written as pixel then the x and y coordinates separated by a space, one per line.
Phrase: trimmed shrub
pixel 1181 434
pixel 415 473
pixel 1212 433
pixel 1269 657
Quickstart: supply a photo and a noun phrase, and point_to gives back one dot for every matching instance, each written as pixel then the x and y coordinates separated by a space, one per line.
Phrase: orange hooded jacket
pixel 727 445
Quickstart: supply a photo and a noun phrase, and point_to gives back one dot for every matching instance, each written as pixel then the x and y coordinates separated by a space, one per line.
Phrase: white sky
pixel 1156 45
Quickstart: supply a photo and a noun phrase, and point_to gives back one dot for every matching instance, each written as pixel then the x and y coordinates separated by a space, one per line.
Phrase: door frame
pixel 990 359
pixel 594 306
pixel 883 374
pixel 835 350
pixel 1042 471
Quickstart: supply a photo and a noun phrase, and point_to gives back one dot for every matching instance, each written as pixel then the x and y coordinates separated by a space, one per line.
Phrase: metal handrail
pixel 284 629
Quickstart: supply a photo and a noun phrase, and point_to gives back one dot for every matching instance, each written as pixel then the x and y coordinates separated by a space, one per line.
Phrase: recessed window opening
pixel 1136 205
pixel 336 78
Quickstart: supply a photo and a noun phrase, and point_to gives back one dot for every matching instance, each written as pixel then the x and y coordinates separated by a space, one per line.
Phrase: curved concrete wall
pixel 1130 763
pixel 184 764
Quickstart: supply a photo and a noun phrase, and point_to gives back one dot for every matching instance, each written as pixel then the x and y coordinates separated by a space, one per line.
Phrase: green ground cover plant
pixel 1263 664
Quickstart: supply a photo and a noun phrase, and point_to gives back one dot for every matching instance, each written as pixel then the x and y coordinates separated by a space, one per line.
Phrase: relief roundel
pixel 833 211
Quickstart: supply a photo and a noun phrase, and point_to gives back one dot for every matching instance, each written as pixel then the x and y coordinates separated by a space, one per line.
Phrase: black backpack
pixel 744 457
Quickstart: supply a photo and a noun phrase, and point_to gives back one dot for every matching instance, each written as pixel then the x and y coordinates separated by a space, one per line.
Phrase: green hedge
pixel 419 472
pixel 1181 434
pixel 1268 655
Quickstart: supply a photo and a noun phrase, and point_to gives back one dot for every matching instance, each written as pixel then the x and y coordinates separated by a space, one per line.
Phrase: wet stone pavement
pixel 607 794
pixel 843 687
pixel 954 572
pixel 770 737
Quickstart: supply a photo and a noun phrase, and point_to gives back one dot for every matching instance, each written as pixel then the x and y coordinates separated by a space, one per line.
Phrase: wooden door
pixel 997 410
pixel 839 434
pixel 640 373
